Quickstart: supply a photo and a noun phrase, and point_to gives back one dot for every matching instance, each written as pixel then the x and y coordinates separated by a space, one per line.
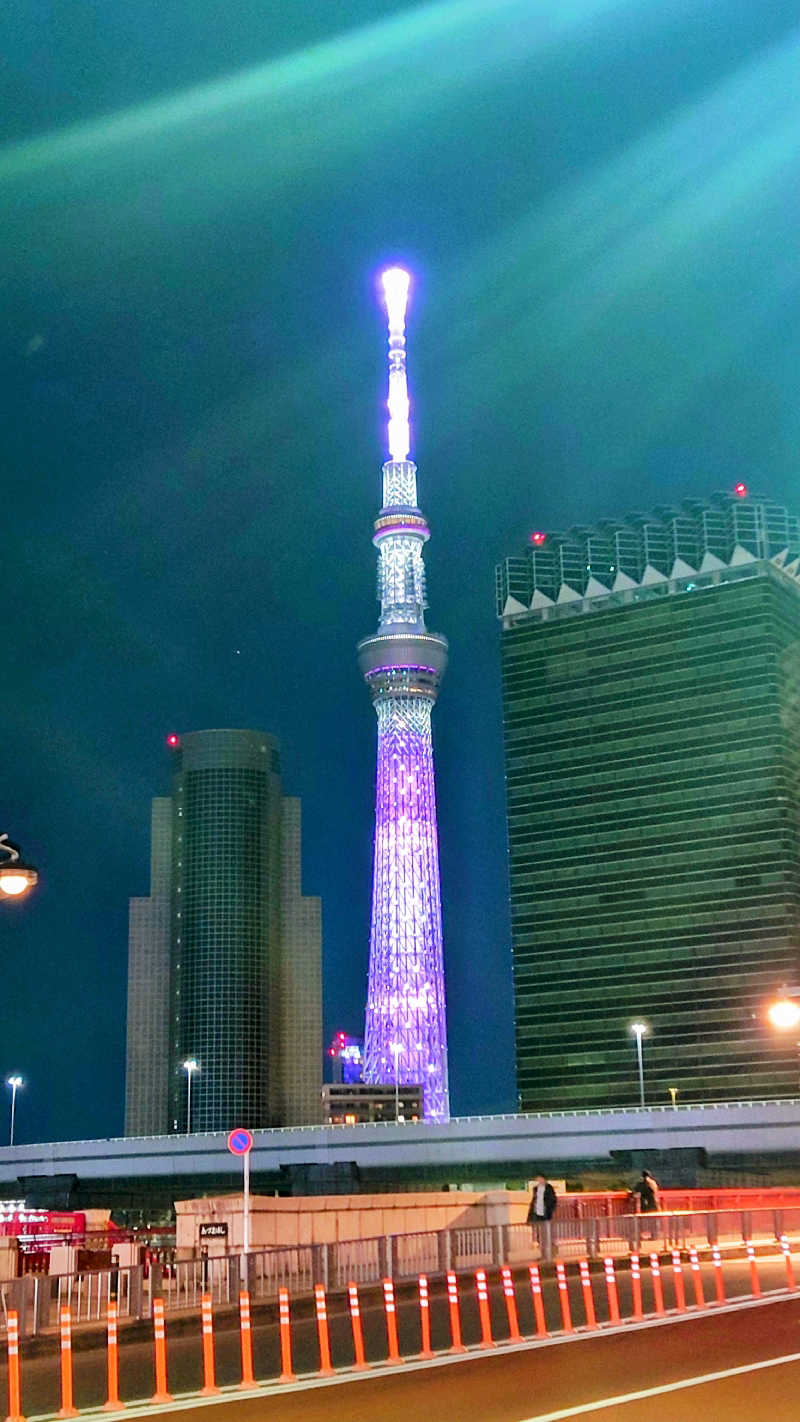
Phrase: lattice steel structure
pixel 403 663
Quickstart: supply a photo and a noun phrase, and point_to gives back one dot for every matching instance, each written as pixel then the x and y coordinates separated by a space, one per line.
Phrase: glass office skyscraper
pixel 224 961
pixel 651 688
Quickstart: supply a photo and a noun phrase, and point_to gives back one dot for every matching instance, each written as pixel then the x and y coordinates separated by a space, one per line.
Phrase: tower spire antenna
pixel 396 283
pixel 402 664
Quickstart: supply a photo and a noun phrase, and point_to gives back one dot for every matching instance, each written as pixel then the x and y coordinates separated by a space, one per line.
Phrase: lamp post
pixel 16 877
pixel 15 1083
pixel 639 1029
pixel 190 1066
pixel 396 1049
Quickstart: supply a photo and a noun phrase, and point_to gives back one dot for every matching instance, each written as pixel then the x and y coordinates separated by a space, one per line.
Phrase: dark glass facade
pixel 652 744
pixel 226 929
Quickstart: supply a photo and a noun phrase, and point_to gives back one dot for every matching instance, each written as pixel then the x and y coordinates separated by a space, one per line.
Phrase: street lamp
pixel 16 878
pixel 784 1014
pixel 396 1050
pixel 639 1029
pixel 15 1083
pixel 190 1067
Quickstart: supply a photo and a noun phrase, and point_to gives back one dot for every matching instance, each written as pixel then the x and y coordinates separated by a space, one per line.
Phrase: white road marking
pixel 622 1399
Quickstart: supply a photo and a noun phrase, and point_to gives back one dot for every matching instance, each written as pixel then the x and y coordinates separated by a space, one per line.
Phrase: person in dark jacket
pixel 543 1201
pixel 647 1190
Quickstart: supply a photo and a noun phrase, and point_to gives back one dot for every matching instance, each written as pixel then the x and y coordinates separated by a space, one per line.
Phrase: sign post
pixel 240 1142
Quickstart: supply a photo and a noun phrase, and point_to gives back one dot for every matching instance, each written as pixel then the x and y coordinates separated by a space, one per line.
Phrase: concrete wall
pixel 321 1219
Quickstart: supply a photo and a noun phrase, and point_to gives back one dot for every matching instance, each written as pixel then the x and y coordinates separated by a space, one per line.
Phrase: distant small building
pixel 352 1103
pixel 346 1056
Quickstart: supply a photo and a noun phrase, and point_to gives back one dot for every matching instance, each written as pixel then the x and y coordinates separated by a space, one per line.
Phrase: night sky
pixel 599 202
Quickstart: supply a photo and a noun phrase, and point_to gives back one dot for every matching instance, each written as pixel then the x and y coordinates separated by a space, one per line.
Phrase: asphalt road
pixel 652 1374
pixel 40 1367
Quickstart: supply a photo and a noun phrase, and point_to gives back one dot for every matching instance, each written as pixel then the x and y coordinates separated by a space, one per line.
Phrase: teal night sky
pixel 599 201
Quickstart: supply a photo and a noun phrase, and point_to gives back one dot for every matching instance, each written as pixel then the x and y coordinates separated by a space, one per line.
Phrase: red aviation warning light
pixel 740 490
pixel 173 741
pixel 538 539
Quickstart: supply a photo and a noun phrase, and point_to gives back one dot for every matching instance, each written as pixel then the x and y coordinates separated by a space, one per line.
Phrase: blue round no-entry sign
pixel 240 1141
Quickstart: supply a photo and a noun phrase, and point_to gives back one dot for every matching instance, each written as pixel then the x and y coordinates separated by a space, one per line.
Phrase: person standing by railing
pixel 544 1201
pixel 646 1189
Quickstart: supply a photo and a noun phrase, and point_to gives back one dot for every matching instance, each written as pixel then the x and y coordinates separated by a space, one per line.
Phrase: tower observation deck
pixel 403 664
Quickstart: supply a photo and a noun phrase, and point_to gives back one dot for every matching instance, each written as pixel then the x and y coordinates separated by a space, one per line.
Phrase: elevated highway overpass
pixel 329 1159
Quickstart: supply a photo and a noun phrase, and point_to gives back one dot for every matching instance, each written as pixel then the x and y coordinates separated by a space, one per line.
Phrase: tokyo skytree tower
pixel 403 664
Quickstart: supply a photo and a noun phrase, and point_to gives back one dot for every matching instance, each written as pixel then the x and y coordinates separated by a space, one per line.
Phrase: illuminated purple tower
pixel 406 1031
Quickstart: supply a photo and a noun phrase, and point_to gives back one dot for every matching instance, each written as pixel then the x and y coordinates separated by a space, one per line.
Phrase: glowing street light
pixel 16 878
pixel 15 1083
pixel 190 1066
pixel 639 1029
pixel 784 1014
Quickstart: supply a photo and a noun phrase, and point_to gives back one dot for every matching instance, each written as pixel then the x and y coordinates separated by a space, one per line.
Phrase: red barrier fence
pixel 620 1303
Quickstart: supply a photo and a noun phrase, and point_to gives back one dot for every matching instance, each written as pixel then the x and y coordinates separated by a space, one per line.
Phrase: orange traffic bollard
pixel 611 1289
pixel 425 1318
pixel 588 1297
pixel 113 1404
pixel 14 1379
pixel 161 1393
pixel 697 1279
pixel 784 1243
pixel 563 1295
pixel 482 1288
pixel 538 1301
pixel 456 1346
pixel 510 1297
pixel 677 1281
pixel 286 1337
pixel 209 1372
pixel 658 1291
pixel 393 1355
pixel 719 1282
pixel 358 1332
pixel 246 1334
pixel 323 1335
pixel 755 1282
pixel 636 1285
pixel 67 1408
